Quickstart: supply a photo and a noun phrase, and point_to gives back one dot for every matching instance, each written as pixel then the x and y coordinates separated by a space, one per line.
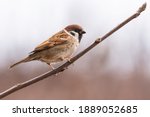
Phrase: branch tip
pixel 142 8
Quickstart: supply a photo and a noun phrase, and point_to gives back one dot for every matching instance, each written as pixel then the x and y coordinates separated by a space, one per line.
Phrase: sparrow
pixel 58 47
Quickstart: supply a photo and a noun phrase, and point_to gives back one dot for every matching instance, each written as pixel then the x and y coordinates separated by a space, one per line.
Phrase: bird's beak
pixel 83 32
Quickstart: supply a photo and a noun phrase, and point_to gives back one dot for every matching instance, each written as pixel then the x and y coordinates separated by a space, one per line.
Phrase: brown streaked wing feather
pixel 56 39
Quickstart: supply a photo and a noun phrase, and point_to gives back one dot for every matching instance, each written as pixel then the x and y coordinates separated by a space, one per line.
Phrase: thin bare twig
pixel 65 65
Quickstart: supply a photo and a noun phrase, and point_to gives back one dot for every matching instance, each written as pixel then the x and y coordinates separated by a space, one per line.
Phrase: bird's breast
pixel 58 52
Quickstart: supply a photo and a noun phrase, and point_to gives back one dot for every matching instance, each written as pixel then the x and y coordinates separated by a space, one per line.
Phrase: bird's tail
pixel 22 61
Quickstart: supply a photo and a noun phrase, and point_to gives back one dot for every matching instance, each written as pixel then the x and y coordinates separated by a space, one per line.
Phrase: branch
pixel 65 65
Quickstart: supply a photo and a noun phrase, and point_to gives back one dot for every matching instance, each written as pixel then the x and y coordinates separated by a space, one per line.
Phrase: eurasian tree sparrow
pixel 57 48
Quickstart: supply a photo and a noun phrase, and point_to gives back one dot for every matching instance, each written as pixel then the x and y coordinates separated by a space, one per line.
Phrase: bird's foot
pixel 51 66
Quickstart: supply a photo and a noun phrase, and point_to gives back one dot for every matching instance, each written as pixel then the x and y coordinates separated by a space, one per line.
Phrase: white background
pixel 142 107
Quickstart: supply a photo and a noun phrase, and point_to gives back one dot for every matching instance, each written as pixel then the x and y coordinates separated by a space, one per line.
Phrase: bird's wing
pixel 58 38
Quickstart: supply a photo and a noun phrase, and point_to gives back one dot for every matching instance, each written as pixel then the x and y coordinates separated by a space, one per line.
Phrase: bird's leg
pixel 69 60
pixel 62 58
pixel 51 66
pixel 65 58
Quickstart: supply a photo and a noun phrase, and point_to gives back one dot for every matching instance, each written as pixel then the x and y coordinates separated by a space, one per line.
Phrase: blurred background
pixel 118 68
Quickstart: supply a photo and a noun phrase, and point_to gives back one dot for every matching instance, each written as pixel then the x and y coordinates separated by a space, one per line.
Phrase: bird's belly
pixel 58 53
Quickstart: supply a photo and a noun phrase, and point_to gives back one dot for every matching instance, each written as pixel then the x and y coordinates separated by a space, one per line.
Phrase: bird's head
pixel 76 31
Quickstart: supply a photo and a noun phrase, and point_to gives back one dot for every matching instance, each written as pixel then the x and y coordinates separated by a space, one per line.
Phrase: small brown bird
pixel 57 48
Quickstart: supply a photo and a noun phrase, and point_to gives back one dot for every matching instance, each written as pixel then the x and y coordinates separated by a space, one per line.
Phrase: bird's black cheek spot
pixel 80 37
pixel 72 33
